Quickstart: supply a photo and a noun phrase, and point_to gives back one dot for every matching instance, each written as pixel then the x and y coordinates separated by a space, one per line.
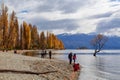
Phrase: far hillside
pixel 75 41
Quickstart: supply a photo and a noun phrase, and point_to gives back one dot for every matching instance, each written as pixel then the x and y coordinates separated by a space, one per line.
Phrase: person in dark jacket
pixel 50 54
pixel 70 57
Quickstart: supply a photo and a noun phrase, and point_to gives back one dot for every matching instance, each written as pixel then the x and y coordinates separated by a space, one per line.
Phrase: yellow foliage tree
pixel 26 35
pixel 13 32
pixel 4 25
pixel 42 41
pixel 34 37
pixel 53 42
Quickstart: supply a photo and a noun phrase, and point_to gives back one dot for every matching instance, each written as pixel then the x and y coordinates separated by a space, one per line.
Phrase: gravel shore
pixel 19 67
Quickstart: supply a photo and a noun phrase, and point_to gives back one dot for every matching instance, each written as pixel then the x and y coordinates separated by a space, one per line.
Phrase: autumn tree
pixel 50 43
pixel 22 41
pixel 34 36
pixel 58 44
pixel 1 32
pixel 42 40
pixel 26 36
pixel 4 25
pixel 47 41
pixel 61 45
pixel 53 42
pixel 98 43
pixel 13 38
pixel 17 42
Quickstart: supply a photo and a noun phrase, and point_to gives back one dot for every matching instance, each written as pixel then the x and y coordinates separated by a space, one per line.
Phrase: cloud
pixel 75 16
pixel 65 6
pixel 103 15
pixel 66 25
pixel 24 11
pixel 110 25
pixel 115 0
pixel 106 25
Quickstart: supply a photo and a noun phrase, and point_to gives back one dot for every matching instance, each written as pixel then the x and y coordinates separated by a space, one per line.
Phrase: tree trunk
pixel 24 72
pixel 94 54
pixel 96 51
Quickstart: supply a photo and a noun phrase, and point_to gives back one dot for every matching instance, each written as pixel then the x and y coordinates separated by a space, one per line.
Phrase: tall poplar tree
pixel 26 35
pixel 4 24
pixel 1 32
pixel 22 41
pixel 13 32
pixel 17 42
pixel 42 40
pixel 34 37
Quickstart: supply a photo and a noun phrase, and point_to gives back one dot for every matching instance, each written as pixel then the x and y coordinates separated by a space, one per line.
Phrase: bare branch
pixel 98 42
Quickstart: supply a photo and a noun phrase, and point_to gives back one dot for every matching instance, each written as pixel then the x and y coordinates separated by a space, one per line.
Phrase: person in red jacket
pixel 74 58
pixel 76 67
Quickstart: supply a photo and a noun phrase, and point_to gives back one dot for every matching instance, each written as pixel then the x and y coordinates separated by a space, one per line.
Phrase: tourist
pixel 15 51
pixel 76 66
pixel 74 58
pixel 42 54
pixel 50 54
pixel 45 53
pixel 70 57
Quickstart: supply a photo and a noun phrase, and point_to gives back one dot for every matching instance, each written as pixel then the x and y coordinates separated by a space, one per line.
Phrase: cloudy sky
pixel 69 16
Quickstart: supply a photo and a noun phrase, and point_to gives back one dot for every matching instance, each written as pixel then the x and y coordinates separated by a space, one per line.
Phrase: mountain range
pixel 75 41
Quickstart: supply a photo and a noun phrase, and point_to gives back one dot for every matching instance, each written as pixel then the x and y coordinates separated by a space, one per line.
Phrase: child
pixel 74 58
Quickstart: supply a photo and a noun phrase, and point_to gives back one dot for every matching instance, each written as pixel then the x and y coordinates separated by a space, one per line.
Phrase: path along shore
pixel 19 67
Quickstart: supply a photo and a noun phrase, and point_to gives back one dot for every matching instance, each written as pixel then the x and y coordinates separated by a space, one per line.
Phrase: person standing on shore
pixel 70 57
pixel 42 54
pixel 74 58
pixel 50 54
pixel 45 53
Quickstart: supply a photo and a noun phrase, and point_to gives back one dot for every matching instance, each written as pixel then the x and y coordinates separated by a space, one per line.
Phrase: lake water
pixel 106 66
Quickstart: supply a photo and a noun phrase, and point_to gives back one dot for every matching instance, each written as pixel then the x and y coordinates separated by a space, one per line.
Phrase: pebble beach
pixel 19 67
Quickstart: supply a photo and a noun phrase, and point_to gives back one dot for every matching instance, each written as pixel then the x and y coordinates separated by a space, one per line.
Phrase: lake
pixel 106 66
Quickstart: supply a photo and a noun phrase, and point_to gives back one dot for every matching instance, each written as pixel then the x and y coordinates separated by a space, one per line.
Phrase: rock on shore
pixel 19 67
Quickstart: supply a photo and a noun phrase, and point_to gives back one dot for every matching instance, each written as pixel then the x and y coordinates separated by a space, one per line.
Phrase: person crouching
pixel 76 66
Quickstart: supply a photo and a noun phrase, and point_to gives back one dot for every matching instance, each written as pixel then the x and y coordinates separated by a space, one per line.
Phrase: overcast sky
pixel 69 16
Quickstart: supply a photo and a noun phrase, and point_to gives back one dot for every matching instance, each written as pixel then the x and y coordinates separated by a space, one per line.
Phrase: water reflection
pixel 102 67
pixel 31 53
pixel 99 68
pixel 88 71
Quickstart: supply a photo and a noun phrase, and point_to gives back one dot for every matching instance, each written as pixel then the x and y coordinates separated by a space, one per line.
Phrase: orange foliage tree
pixel 25 38
pixel 13 35
pixel 53 42
pixel 4 25
pixel 34 37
